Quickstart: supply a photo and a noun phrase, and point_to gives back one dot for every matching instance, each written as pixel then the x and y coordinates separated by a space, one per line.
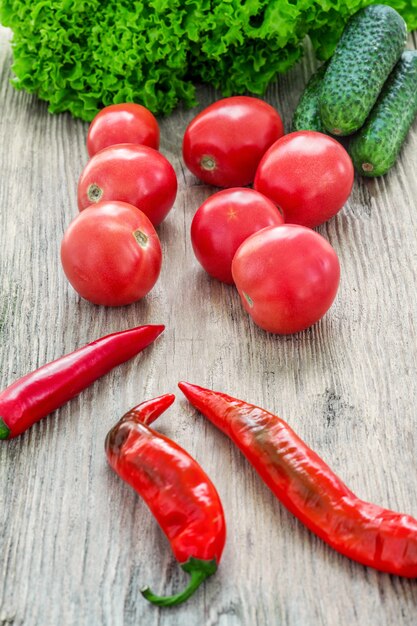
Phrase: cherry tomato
pixel 223 222
pixel 130 173
pixel 224 143
pixel 287 277
pixel 122 123
pixel 111 254
pixel 308 175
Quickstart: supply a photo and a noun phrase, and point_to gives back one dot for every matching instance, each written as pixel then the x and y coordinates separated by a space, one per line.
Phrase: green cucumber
pixel 306 115
pixel 376 146
pixel 368 49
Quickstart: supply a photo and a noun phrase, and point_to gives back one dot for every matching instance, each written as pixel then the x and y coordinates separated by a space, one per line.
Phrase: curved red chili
pixel 37 394
pixel 362 531
pixel 180 495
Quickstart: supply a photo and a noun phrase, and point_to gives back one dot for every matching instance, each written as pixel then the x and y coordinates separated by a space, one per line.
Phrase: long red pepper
pixel 362 531
pixel 180 495
pixel 37 394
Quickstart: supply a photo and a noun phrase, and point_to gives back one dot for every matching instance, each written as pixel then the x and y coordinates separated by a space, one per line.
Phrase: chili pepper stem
pixel 4 430
pixel 199 571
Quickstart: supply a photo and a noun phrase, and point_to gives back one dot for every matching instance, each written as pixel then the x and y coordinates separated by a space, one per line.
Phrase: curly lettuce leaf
pixel 80 55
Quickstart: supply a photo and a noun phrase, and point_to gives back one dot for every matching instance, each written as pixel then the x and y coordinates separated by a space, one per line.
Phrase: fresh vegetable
pixel 308 488
pixel 370 46
pixel 86 54
pixel 32 397
pixel 135 174
pixel 224 143
pixel 223 222
pixel 307 115
pixel 111 254
pixel 122 123
pixel 308 175
pixel 287 277
pixel 176 489
pixel 375 148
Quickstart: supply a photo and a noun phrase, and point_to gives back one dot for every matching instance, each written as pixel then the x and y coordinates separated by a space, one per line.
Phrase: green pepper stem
pixel 4 430
pixel 199 571
pixel 196 579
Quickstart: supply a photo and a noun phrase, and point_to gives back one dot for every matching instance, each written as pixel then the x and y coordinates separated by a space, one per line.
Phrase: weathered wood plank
pixel 76 543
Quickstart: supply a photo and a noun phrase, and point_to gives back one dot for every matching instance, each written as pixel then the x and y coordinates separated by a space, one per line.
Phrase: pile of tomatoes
pixel 259 238
pixel 111 252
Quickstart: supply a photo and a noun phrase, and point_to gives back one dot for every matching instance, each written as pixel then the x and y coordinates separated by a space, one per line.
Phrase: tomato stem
pixel 249 299
pixel 94 192
pixel 141 238
pixel 208 163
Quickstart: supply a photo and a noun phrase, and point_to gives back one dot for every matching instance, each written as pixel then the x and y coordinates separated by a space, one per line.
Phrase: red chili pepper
pixel 37 394
pixel 180 495
pixel 362 531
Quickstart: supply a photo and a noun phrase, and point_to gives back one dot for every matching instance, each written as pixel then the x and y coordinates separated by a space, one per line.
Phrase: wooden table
pixel 76 542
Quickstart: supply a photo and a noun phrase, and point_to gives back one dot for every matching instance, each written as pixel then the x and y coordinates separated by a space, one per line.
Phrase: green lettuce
pixel 81 55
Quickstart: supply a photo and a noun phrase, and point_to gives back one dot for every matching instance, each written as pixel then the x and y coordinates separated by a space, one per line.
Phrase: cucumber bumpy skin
pixel 306 115
pixel 368 49
pixel 376 146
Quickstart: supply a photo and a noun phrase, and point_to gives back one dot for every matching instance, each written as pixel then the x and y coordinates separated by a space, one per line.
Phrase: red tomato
pixel 111 254
pixel 224 143
pixel 223 222
pixel 287 277
pixel 122 123
pixel 129 173
pixel 308 175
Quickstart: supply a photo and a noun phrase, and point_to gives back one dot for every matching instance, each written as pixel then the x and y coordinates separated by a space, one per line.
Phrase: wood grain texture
pixel 76 544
